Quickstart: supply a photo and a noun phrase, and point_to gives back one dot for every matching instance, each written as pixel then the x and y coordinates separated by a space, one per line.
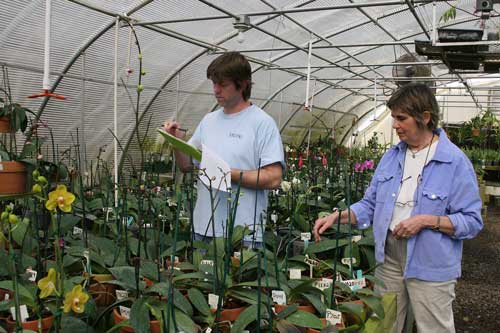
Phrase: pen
pixel 179 129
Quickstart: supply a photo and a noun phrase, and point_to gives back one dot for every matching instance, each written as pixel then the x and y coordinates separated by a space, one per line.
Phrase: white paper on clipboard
pixel 217 172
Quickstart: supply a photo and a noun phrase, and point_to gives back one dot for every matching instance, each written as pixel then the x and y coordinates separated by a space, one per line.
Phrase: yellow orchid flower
pixel 47 285
pixel 60 198
pixel 75 300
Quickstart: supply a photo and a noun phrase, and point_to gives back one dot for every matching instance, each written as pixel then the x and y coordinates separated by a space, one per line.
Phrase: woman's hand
pixel 409 227
pixel 322 224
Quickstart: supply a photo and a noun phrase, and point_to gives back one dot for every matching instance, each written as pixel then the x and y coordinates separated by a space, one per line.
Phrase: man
pixel 245 137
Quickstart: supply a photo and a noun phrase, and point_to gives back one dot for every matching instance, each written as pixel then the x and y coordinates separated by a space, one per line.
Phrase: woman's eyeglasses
pixel 411 203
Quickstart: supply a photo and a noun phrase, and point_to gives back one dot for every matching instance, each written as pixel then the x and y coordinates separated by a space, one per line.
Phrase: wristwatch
pixel 438 224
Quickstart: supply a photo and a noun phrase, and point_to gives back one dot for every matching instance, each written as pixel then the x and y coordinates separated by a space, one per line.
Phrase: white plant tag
pixel 23 312
pixel 32 274
pixel 356 238
pixel 237 255
pixel 274 217
pixel 295 274
pixel 311 262
pixel 77 231
pixel 209 330
pixel 207 262
pixel 6 297
pixel 323 284
pixel 279 297
pixel 213 301
pixel 348 261
pixel 41 233
pixel 305 236
pixel 121 294
pixel 356 283
pixel 333 317
pixel 86 255
pixel 125 312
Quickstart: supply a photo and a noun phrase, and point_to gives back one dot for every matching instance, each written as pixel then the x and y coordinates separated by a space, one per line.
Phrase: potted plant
pixel 13 118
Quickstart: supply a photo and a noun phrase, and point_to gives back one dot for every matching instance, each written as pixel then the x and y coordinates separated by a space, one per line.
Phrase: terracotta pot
pixel 307 308
pixel 229 314
pixel 154 325
pixel 31 325
pixel 5 125
pixel 323 320
pixel 12 177
pixel 103 293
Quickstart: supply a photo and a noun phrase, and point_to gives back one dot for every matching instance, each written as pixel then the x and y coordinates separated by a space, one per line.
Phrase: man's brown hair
pixel 235 67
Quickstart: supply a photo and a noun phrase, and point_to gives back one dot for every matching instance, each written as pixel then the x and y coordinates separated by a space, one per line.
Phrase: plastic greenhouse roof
pixel 354 43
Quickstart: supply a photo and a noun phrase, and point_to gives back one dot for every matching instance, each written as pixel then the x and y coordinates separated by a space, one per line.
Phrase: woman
pixel 423 201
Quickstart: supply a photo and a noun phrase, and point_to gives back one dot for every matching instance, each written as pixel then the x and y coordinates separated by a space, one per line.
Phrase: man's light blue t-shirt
pixel 241 139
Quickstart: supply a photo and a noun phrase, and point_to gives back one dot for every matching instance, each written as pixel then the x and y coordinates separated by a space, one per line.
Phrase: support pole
pixel 115 109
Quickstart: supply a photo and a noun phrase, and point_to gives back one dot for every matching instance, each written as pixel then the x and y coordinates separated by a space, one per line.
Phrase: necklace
pixel 414 153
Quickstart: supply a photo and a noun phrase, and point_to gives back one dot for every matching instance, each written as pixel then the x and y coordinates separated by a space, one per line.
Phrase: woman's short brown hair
pixel 414 99
pixel 235 67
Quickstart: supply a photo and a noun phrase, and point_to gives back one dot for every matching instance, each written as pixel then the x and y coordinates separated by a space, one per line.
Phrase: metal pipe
pixel 345 6
pixel 46 51
pixel 333 46
pixel 359 65
pixel 412 10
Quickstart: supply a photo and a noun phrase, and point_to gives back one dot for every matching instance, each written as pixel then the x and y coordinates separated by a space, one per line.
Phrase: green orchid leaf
pixel 71 324
pixel 374 303
pixel 199 301
pixel 248 316
pixel 305 319
pixel 139 316
pixel 325 245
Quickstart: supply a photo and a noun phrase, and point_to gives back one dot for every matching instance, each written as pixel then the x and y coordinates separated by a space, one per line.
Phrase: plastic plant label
pixel 213 301
pixel 77 231
pixel 121 294
pixel 333 317
pixel 359 274
pixel 356 238
pixel 305 236
pixel 209 330
pixel 32 274
pixel 237 255
pixel 311 262
pixel 279 297
pixel 356 283
pixel 323 284
pixel 274 217
pixel 207 262
pixel 348 261
pixel 41 233
pixel 23 312
pixel 86 255
pixel 125 312
pixel 295 274
pixel 176 260
pixel 6 297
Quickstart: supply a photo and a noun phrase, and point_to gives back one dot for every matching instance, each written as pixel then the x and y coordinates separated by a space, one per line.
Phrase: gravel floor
pixel 478 294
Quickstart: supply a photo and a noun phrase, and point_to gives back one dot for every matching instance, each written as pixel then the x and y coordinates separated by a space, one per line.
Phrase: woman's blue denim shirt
pixel 448 187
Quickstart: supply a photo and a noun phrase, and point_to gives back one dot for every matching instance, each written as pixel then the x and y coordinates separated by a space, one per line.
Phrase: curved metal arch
pixel 406 37
pixel 75 57
pixel 359 119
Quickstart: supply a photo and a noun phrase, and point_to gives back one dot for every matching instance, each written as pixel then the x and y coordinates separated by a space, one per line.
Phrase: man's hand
pixel 322 224
pixel 409 227
pixel 173 128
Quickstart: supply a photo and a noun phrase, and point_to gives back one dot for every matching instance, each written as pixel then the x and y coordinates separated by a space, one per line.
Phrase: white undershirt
pixel 412 170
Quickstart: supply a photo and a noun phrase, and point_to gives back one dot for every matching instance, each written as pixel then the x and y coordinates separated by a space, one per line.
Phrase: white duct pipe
pixel 115 110
pixel 46 55
pixel 306 104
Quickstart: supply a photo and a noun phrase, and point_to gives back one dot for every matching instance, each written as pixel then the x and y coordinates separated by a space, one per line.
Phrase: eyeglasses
pixel 410 203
